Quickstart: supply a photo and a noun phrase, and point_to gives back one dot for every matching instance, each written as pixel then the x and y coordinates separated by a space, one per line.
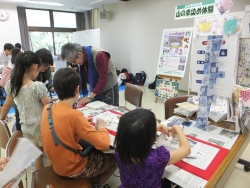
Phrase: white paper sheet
pixel 204 155
pixel 183 178
pixel 24 154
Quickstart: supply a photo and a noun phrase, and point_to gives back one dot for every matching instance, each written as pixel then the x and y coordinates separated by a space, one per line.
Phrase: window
pixel 38 18
pixel 49 29
pixel 62 38
pixel 40 40
pixel 65 20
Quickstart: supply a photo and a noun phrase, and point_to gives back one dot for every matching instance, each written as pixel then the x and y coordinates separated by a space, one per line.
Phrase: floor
pixel 238 179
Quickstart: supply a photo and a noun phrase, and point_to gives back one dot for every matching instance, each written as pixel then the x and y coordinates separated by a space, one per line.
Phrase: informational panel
pixel 246 26
pixel 227 65
pixel 166 88
pixel 174 50
pixel 226 24
pixel 87 37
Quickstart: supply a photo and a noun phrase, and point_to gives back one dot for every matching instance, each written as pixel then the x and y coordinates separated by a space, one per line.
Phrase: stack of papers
pixel 186 109
pixel 96 104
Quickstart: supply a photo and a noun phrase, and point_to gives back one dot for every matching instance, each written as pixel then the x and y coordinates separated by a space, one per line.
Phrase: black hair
pixel 66 80
pixel 15 51
pixel 45 56
pixel 23 62
pixel 135 136
pixel 8 46
pixel 18 45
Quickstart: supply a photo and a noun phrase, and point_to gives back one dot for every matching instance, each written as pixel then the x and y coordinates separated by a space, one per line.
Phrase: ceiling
pixel 69 5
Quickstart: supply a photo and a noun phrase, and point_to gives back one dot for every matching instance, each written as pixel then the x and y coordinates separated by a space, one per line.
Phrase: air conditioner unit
pixel 105 15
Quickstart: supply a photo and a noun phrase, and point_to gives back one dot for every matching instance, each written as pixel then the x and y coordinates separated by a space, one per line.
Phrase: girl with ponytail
pixel 29 96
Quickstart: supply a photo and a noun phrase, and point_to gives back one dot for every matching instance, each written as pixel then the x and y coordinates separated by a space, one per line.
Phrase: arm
pixel 45 100
pixel 6 107
pixel 184 150
pixel 98 138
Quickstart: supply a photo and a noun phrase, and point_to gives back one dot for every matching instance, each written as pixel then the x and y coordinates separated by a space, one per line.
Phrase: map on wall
pixel 174 51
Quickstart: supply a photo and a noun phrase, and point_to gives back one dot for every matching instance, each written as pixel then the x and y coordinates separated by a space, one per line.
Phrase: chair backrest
pixel 133 94
pixel 47 176
pixel 12 142
pixel 170 105
pixel 11 146
pixel 4 134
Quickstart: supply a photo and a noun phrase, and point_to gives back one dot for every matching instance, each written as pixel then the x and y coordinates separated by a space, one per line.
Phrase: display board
pixel 166 88
pixel 226 62
pixel 87 37
pixel 174 51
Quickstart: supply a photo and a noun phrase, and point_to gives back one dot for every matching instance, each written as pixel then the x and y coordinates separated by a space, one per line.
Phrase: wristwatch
pixel 91 99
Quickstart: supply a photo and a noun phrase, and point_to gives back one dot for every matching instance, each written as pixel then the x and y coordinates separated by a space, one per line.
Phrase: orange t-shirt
pixel 70 125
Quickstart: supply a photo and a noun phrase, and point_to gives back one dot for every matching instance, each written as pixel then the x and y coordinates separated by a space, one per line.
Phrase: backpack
pixel 140 78
pixel 125 71
pixel 132 78
pixel 144 76
pixel 117 72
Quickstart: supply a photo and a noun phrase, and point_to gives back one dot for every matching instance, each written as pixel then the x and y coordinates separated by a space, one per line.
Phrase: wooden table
pixel 221 175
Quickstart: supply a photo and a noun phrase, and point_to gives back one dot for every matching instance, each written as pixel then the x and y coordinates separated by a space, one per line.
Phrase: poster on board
pixel 174 51
pixel 226 62
pixel 166 88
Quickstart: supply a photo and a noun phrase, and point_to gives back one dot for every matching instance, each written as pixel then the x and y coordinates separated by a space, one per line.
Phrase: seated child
pixel 139 165
pixel 70 126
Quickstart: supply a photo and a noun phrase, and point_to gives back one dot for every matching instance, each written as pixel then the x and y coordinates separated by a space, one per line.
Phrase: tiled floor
pixel 238 179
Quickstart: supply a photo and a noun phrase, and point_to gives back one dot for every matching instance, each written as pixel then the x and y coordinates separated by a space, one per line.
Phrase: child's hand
pixel 3 162
pixel 90 119
pixel 165 129
pixel 100 123
pixel 175 129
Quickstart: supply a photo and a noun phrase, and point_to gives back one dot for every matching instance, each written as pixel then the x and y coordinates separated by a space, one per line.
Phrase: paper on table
pixel 183 178
pixel 96 104
pixel 23 155
pixel 204 154
pixel 188 106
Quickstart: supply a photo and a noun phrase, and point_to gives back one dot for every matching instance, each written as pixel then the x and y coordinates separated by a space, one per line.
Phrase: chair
pixel 170 105
pixel 4 134
pixel 47 176
pixel 133 95
pixel 11 146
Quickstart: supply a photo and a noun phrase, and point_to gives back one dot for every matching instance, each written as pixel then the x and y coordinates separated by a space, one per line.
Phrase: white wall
pixel 133 35
pixel 9 30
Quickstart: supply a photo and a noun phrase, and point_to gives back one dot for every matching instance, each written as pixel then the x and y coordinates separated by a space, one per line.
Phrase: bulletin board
pixel 174 50
pixel 227 65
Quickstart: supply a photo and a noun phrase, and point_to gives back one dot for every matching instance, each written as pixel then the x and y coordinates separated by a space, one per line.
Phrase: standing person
pixel 70 126
pixel 5 55
pixel 29 96
pixel 96 68
pixel 139 164
pixel 45 75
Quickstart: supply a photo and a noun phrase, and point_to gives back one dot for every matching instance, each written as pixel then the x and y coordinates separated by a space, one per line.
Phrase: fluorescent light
pixel 37 2
pixel 95 1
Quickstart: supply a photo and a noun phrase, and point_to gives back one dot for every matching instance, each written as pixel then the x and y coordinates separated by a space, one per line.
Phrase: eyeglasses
pixel 73 62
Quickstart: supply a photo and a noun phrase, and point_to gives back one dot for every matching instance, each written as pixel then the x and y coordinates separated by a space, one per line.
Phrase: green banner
pixel 205 8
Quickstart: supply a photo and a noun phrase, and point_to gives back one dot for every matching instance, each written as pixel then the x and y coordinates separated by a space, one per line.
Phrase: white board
pixel 174 51
pixel 226 64
pixel 87 37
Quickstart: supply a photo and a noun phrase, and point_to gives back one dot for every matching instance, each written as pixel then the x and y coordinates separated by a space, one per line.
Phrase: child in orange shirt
pixel 70 126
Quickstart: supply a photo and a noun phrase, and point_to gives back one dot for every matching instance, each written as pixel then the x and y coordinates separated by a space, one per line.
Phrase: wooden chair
pixel 11 146
pixel 133 95
pixel 47 176
pixel 4 135
pixel 170 105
